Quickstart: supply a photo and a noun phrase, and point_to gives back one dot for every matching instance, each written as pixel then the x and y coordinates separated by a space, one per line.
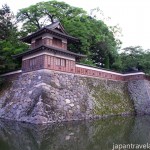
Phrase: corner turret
pixel 49 50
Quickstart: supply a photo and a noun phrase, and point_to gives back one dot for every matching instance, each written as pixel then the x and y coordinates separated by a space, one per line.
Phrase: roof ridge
pixel 51 30
pixel 54 25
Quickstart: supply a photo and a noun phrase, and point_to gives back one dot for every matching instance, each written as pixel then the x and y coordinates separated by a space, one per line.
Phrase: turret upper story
pixel 52 35
pixel 49 40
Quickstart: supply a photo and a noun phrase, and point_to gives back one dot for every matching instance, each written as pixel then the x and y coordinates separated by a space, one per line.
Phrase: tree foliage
pixel 39 15
pixel 9 43
pixel 97 40
pixel 5 22
pixel 135 58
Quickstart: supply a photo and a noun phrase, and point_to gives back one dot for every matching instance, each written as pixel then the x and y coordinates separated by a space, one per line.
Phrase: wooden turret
pixel 49 50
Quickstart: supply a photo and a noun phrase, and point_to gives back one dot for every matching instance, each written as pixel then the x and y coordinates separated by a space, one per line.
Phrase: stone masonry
pixel 46 96
pixel 140 93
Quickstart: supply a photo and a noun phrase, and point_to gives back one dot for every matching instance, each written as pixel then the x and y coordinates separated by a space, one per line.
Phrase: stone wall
pixel 140 93
pixel 48 96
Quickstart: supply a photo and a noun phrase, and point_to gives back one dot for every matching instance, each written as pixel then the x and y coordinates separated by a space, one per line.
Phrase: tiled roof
pixel 55 25
pixel 50 29
pixel 48 48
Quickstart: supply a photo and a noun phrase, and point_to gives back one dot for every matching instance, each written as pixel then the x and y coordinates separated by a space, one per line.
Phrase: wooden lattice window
pixel 57 42
pixel 32 62
pixel 60 62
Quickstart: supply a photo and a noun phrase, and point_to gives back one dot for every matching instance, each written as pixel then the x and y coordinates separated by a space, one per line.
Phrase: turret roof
pixel 49 49
pixel 55 28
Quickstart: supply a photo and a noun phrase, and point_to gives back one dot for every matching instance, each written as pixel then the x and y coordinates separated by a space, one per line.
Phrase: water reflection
pixel 94 135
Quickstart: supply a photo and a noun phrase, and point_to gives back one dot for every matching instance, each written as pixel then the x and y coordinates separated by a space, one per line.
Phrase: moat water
pixel 90 135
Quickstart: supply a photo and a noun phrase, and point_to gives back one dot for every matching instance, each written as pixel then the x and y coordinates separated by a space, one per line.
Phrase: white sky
pixel 131 15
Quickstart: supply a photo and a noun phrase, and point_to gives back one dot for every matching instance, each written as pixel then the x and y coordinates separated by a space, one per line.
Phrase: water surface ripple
pixel 82 135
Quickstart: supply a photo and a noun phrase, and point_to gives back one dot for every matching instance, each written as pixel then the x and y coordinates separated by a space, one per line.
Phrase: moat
pixel 81 135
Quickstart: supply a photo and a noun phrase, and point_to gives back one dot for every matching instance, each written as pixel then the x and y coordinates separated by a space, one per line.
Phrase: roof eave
pixel 18 56
pixel 28 38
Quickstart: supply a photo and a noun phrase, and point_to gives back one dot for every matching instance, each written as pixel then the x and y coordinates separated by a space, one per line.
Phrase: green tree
pixel 117 65
pixel 5 22
pixel 97 40
pixel 135 57
pixel 9 43
pixel 39 15
pixel 145 62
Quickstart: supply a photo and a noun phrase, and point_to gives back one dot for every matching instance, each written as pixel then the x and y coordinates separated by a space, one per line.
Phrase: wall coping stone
pixel 47 70
pixel 11 73
pixel 106 71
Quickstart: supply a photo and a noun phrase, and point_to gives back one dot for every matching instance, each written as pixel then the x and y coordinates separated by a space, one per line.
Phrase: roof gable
pixel 57 26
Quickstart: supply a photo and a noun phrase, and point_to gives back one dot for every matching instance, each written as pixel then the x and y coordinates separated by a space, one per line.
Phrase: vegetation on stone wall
pixel 109 100
pixel 5 84
pixel 34 97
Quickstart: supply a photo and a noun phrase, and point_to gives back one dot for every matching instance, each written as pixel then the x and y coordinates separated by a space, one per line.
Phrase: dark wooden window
pixel 32 62
pixel 60 62
pixel 57 42
pixel 38 41
pixel 63 62
pixel 48 60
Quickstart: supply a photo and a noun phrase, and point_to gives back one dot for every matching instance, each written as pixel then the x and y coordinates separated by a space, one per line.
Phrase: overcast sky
pixel 133 16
